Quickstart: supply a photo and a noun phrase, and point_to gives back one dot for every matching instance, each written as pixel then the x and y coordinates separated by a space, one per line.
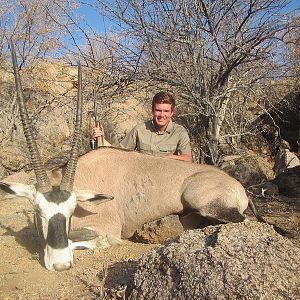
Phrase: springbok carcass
pixel 144 188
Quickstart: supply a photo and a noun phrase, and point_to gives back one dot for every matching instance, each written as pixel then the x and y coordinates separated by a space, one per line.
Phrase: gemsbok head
pixel 53 205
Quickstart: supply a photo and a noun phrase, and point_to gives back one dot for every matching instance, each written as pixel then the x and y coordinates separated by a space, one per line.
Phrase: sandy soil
pixel 23 277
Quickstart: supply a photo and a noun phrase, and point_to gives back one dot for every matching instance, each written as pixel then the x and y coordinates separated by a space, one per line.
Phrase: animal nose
pixel 62 266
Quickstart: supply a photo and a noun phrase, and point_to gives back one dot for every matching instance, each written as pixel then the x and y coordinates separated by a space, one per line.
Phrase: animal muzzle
pixel 58 259
pixel 62 266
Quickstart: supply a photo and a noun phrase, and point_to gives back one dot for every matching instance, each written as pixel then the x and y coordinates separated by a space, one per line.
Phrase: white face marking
pixel 55 259
pixel 48 209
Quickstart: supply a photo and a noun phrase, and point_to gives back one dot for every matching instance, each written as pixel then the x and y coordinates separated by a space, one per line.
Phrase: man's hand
pixel 98 131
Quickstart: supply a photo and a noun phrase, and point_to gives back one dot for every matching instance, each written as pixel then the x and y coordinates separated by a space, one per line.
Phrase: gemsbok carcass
pixel 144 188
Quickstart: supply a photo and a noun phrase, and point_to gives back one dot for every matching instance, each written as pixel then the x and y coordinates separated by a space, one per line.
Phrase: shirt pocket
pixel 170 149
pixel 144 147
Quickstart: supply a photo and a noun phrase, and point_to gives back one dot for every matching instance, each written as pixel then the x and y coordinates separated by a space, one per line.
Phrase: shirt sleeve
pixel 130 140
pixel 184 144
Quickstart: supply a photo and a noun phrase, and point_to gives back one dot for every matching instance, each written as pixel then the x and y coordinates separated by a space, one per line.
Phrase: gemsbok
pixel 142 188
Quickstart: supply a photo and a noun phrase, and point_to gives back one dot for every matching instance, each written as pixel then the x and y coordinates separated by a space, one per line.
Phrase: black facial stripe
pixel 57 232
pixel 39 228
pixel 6 188
pixel 70 219
pixel 56 195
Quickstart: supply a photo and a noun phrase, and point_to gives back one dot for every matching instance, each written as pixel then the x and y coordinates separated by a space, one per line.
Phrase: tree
pixel 212 54
pixel 38 28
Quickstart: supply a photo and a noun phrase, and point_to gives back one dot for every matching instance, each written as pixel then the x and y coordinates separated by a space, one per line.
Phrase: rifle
pixel 95 142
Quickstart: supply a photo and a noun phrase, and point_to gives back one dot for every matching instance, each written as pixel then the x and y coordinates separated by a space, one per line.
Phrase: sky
pixel 99 24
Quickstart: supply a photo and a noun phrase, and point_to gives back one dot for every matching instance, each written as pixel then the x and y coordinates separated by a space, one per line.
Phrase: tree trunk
pixel 212 134
pixel 213 129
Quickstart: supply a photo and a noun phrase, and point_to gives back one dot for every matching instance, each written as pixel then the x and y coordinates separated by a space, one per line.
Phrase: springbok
pixel 144 187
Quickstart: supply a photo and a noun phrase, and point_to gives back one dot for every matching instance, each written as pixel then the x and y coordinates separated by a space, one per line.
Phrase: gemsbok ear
pixel 92 197
pixel 18 189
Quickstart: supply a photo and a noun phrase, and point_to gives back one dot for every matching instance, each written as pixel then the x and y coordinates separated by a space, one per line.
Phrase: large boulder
pixel 289 182
pixel 249 168
pixel 234 261
pixel 245 173
pixel 285 159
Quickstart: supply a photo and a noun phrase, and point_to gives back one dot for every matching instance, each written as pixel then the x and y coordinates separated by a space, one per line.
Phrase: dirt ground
pixel 23 277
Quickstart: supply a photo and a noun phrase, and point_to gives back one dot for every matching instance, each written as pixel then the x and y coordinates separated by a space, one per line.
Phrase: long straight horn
pixel 43 184
pixel 68 179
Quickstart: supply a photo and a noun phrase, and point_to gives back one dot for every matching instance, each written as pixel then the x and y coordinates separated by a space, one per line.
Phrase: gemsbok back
pixel 144 188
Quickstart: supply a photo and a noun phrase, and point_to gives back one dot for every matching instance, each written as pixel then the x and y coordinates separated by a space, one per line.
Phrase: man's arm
pixel 130 140
pixel 184 147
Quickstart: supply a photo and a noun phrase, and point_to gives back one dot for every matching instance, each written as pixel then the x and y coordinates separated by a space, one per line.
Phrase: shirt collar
pixel 168 129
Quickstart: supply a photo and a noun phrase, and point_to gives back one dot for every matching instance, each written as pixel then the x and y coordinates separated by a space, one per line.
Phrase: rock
pixel 21 177
pixel 14 157
pixel 246 260
pixel 270 188
pixel 258 143
pixel 158 231
pixel 289 182
pixel 285 159
pixel 3 172
pixel 250 169
pixel 246 174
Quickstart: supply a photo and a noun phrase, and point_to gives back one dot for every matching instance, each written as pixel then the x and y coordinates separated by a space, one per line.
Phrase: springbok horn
pixel 68 179
pixel 42 181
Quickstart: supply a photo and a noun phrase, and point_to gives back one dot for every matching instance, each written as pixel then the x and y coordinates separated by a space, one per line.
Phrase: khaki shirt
pixel 144 138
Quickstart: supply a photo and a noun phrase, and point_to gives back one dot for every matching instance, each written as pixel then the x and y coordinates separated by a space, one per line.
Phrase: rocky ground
pixel 23 277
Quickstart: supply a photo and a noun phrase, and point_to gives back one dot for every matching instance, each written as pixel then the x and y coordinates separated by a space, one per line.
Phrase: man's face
pixel 162 114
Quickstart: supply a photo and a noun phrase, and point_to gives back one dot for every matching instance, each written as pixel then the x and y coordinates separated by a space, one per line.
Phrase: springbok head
pixel 53 206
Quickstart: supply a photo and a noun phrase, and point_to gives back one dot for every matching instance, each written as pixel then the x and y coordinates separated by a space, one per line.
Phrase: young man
pixel 159 136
